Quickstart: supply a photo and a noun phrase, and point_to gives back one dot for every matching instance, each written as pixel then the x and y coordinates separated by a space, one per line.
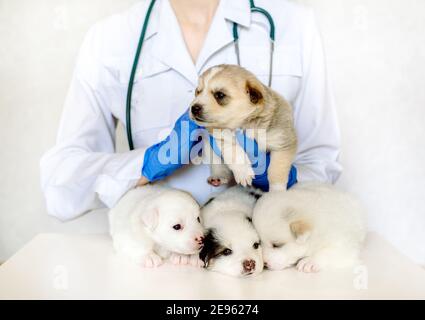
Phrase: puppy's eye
pixel 256 245
pixel 177 227
pixel 219 95
pixel 197 92
pixel 227 252
pixel 278 245
pixel 199 220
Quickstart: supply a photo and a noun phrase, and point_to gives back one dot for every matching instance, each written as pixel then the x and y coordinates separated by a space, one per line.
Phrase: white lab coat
pixel 83 172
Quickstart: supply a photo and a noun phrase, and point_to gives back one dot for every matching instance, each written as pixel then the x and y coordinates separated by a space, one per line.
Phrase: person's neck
pixel 195 12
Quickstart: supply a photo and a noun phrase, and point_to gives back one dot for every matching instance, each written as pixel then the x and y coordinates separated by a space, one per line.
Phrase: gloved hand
pixel 260 161
pixel 164 158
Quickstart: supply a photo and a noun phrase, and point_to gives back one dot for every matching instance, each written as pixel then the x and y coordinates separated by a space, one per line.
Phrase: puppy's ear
pixel 211 246
pixel 301 230
pixel 150 218
pixel 255 92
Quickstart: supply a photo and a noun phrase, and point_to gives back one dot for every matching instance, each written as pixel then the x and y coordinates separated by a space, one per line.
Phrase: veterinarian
pixel 182 39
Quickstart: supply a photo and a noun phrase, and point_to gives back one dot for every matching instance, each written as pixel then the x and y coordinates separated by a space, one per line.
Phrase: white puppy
pixel 312 226
pixel 154 222
pixel 232 245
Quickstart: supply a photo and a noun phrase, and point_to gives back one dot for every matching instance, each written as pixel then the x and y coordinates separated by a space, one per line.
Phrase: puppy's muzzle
pixel 199 240
pixel 197 111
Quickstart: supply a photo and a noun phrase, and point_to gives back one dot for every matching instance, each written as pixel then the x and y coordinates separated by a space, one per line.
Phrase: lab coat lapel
pixel 220 34
pixel 169 46
pixel 149 65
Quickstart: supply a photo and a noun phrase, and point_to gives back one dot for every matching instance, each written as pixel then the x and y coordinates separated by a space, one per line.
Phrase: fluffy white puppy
pixel 312 226
pixel 153 223
pixel 232 245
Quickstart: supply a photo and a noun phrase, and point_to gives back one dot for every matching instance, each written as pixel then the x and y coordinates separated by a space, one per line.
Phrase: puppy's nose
pixel 248 265
pixel 196 109
pixel 199 239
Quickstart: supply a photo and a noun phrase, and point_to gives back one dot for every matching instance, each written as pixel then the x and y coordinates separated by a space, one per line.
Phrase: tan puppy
pixel 228 98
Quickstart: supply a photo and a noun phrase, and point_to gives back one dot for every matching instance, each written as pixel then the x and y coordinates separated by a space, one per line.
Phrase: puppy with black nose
pixel 229 98
pixel 232 245
pixel 153 223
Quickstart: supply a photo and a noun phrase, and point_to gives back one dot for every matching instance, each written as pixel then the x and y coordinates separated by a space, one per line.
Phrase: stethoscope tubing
pixel 254 9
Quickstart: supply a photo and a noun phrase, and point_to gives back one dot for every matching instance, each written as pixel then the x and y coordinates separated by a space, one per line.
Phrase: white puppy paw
pixel 244 174
pixel 179 259
pixel 186 260
pixel 194 261
pixel 150 260
pixel 308 265
pixel 217 181
pixel 277 187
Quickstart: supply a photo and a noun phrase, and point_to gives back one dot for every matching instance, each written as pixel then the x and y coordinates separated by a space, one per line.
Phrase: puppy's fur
pixel 154 222
pixel 232 245
pixel 312 226
pixel 230 97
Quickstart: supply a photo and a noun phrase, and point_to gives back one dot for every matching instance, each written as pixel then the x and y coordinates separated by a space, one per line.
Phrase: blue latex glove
pixel 164 158
pixel 259 160
pixel 158 164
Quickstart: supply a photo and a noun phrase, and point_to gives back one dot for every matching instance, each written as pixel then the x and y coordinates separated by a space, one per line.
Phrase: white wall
pixel 376 51
pixel 39 43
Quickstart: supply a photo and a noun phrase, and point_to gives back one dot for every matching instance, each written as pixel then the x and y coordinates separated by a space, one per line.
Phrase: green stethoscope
pixel 254 9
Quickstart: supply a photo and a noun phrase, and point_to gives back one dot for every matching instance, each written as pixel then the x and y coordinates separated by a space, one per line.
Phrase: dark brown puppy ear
pixel 254 90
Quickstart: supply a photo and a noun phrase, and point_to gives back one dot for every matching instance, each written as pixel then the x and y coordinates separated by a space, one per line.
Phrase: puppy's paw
pixel 244 174
pixel 179 259
pixel 150 260
pixel 194 261
pixel 184 260
pixel 308 265
pixel 142 182
pixel 278 187
pixel 217 181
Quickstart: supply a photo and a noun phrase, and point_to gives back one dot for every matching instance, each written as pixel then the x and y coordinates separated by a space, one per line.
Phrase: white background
pixel 376 53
